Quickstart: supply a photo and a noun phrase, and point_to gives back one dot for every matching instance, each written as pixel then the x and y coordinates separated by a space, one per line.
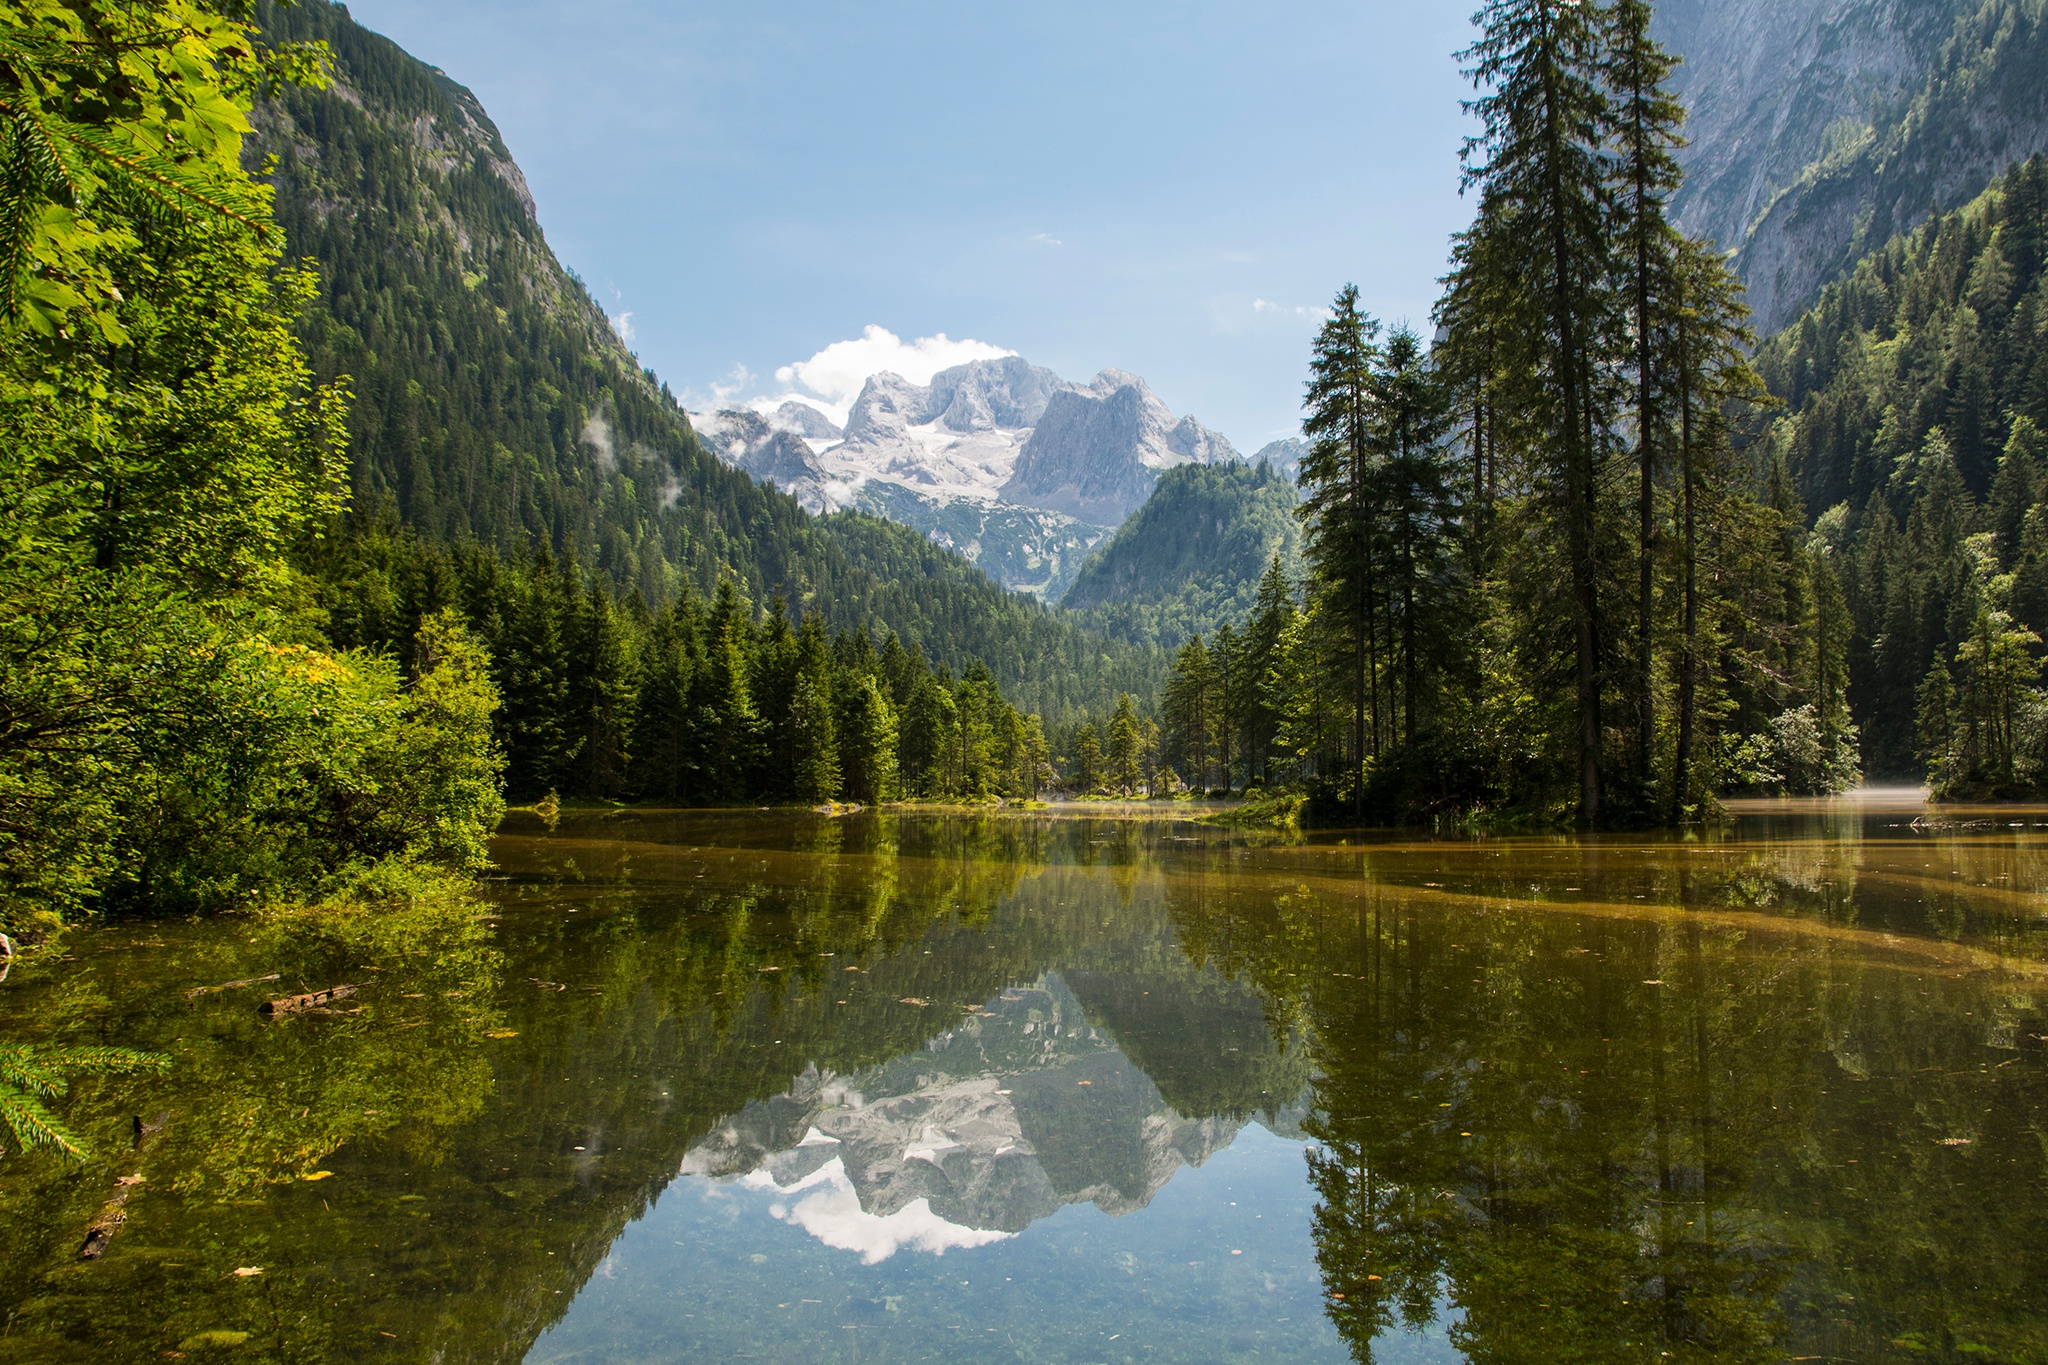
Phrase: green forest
pixel 1190 558
pixel 1552 572
pixel 1916 401
pixel 1598 555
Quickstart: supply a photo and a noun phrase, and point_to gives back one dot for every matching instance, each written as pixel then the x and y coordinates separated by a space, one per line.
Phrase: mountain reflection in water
pixel 1021 1109
pixel 778 1087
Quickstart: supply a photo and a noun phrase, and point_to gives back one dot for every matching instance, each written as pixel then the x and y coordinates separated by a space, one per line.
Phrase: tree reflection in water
pixel 1732 1100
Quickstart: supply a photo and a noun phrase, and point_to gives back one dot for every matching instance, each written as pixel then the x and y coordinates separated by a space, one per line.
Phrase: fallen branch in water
pixel 300 1004
pixel 198 991
pixel 100 1232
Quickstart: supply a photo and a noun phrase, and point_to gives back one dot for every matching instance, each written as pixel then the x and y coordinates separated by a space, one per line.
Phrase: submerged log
pixel 103 1228
pixel 198 991
pixel 300 1004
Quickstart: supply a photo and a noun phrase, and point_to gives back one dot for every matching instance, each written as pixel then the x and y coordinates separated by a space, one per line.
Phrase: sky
pixel 779 197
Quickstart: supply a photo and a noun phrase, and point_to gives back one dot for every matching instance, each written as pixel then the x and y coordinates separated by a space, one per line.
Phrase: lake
pixel 1075 1088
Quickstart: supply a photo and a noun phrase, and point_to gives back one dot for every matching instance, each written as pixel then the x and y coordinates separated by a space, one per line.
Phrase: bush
pixel 171 762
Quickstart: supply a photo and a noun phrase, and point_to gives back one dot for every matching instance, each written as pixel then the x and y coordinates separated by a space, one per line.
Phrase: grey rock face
pixel 888 406
pixel 1765 80
pixel 801 419
pixel 1095 454
pixel 1822 128
pixel 985 394
pixel 1285 456
pixel 747 441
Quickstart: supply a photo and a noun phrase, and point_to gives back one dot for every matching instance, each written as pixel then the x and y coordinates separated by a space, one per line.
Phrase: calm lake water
pixel 1047 1088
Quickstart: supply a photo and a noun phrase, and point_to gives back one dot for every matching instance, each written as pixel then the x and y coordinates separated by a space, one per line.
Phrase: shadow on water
pixel 779 1086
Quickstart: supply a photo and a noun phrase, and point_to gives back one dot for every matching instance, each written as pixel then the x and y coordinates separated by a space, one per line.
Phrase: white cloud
pixel 1046 239
pixel 1264 306
pixel 837 373
pixel 831 1212
pixel 623 325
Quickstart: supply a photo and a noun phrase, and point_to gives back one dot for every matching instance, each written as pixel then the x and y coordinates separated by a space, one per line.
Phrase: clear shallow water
pixel 1026 1088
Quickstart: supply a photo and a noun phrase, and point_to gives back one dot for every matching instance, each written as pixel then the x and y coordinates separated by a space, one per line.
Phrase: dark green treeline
pixel 698 703
pixel 1917 391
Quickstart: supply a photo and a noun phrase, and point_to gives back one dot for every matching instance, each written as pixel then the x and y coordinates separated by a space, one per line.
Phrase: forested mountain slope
pixel 1190 558
pixel 492 403
pixel 1822 128
pixel 1917 399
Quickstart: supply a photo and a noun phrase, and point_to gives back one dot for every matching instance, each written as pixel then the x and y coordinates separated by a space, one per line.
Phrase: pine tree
pixel 1126 743
pixel 539 728
pixel 813 735
pixel 1419 510
pixel 1271 613
pixel 1087 759
pixel 930 728
pixel 1936 717
pixel 1228 658
pixel 1710 340
pixel 1189 705
pixel 728 730
pixel 603 695
pixel 773 682
pixel 1540 164
pixel 661 728
pixel 1037 757
pixel 867 741
pixel 1645 119
pixel 1340 511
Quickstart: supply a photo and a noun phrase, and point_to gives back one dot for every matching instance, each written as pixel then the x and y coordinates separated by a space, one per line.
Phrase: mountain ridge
pixel 494 405
pixel 1823 128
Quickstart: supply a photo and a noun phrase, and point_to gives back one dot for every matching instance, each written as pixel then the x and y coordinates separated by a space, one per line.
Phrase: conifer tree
pixel 1037 757
pixel 541 732
pixel 1418 508
pixel 604 694
pixel 1340 511
pixel 728 727
pixel 1541 167
pixel 661 727
pixel 1271 612
pixel 1087 759
pixel 1712 376
pixel 1190 709
pixel 1126 744
pixel 1228 659
pixel 813 735
pixel 867 741
pixel 1646 119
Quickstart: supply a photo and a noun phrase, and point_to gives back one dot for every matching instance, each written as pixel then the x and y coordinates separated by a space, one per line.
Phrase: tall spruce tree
pixel 1340 505
pixel 1189 704
pixel 1646 120
pixel 1541 166
pixel 1418 508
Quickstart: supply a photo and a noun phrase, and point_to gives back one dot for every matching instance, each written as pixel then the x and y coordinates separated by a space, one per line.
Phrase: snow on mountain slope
pixel 1018 469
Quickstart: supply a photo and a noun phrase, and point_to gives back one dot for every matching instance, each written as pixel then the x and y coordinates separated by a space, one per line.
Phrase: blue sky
pixel 1168 188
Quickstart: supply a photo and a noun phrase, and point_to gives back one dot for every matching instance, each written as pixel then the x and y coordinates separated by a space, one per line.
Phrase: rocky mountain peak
pixel 801 419
pixel 1096 452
